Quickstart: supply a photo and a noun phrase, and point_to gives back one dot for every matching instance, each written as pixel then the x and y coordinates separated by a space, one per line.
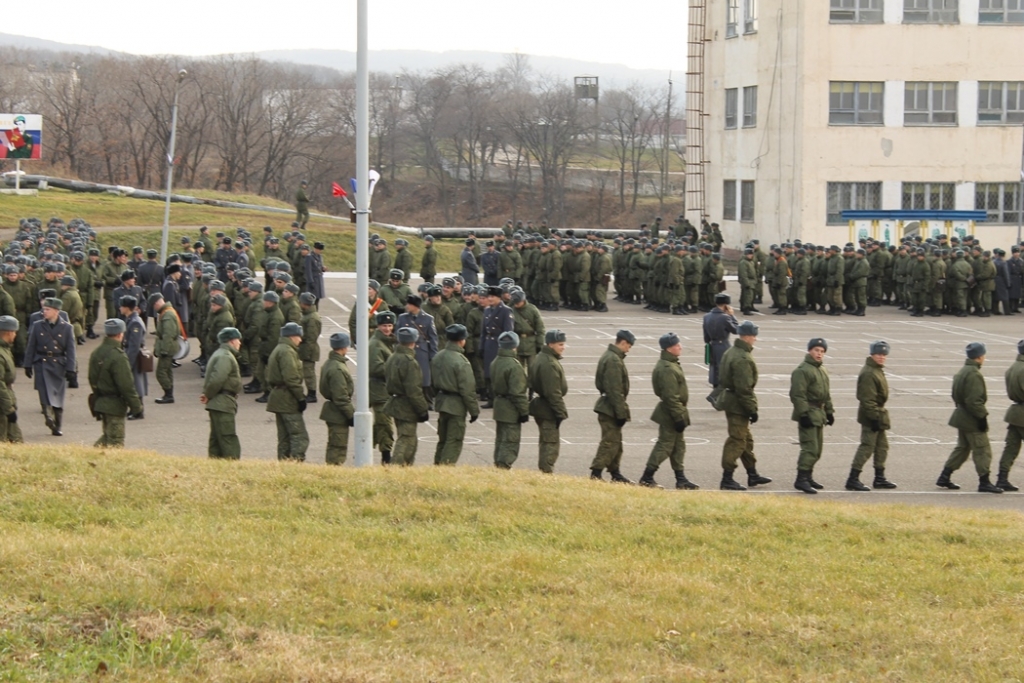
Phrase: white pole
pixel 363 418
pixel 170 166
pixel 17 177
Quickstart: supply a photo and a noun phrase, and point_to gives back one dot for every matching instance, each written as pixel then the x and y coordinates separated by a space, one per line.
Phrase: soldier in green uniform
pixel 748 281
pixel 812 410
pixel 309 349
pixel 168 330
pixel 428 262
pixel 218 318
pixel 528 326
pixel 442 315
pixel 612 382
pixel 113 387
pixel 1014 419
pixel 873 417
pixel 403 258
pixel 455 395
pixel 337 387
pixel 971 421
pixel 547 381
pixel 407 404
pixel 10 432
pixel 511 404
pixel 24 304
pixel 301 206
pixel 73 306
pixel 921 283
pixel 834 279
pixel 395 292
pixel 270 328
pixel 221 386
pixel 381 346
pixel 287 400
pixel 958 273
pixel 376 305
pixel 737 378
pixel 472 316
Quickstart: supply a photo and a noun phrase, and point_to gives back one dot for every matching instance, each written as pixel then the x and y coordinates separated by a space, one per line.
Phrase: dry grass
pixel 158 568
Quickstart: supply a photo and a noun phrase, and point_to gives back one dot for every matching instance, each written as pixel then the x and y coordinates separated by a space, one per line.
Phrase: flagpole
pixel 363 418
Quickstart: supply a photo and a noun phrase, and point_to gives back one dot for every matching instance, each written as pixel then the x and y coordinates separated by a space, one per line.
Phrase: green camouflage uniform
pixel 407 404
pixel 287 400
pixel 112 383
pixel 337 387
pixel 612 382
pixel 455 396
pixel 511 405
pixel 738 377
pixel 547 380
pixel 221 386
pixel 809 393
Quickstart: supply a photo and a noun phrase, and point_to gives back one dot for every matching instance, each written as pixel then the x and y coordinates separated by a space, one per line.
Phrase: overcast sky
pixel 649 34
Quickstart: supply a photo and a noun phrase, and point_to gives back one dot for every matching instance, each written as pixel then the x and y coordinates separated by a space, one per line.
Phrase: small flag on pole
pixel 338 191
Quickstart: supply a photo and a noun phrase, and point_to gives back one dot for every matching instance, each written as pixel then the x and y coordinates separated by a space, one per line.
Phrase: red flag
pixel 338 191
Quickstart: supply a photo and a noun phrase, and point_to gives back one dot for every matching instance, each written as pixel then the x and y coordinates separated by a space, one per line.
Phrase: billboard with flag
pixel 21 136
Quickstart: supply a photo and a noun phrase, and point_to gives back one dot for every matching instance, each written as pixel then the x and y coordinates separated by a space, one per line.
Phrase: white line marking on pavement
pixel 340 305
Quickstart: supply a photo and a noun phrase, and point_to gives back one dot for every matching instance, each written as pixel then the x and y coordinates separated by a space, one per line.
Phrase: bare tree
pixel 429 98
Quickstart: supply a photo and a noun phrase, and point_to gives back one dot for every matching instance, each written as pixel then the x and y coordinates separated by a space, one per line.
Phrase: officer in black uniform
pixel 498 318
pixel 719 324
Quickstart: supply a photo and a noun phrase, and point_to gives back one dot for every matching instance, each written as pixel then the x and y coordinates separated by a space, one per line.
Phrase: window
pixel 747 201
pixel 856 12
pixel 732 18
pixel 729 200
pixel 930 11
pixel 1000 102
pixel 929 104
pixel 731 106
pixel 750 107
pixel 1000 200
pixel 1001 12
pixel 850 196
pixel 855 104
pixel 935 196
pixel 750 16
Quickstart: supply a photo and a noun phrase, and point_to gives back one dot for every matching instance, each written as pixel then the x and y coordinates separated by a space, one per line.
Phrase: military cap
pixel 8 323
pixel 975 350
pixel 470 242
pixel 878 347
pixel 53 302
pixel 307 298
pixel 185 240
pixel 374 285
pixel 291 330
pixel 920 251
pixel 292 287
pixel 340 340
pixel 255 287
pixel 433 290
pixel 456 332
pixel 68 281
pixel 817 341
pixel 414 299
pixel 281 276
pixel 319 245
pixel 801 251
pixel 625 335
pixel 231 267
pixel 11 269
pixel 227 334
pixel 275 240
pixel 428 238
pixel 94 252
pixel 385 318
pixel 219 300
pixel 423 288
pixel 207 277
pixel 747 329
pixel 396 274
pixel 506 340
pixel 304 247
pixel 113 327
pixel 300 236
pixel 173 268
pixel 407 335
pixel 668 340
pixel 722 298
pixel 448 282
pixel 151 253
pixel 128 301
pixel 401 242
pixel 153 298
pixel 554 336
pixel 273 297
pixel 517 295
pixel 748 251
pixel 47 294
pixel 692 249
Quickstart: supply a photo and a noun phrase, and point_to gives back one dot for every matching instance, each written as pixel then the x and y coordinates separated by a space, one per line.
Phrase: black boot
pixel 253 387
pixel 945 482
pixel 683 483
pixel 245 370
pixel 168 397
pixel 385 457
pixel 853 482
pixel 810 480
pixel 648 479
pixel 755 479
pixel 803 482
pixel 618 478
pixel 596 474
pixel 880 481
pixel 58 418
pixel 311 397
pixel 730 484
pixel 262 399
pixel 1004 481
pixel 985 485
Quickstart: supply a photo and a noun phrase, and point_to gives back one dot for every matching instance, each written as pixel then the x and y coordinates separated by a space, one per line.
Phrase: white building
pixel 812 107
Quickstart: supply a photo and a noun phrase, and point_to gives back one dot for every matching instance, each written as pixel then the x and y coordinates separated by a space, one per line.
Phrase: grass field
pixel 104 210
pixel 162 569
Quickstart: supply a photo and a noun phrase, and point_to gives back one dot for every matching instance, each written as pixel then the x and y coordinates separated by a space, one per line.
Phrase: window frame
pixel 749 113
pixel 1007 116
pixel 729 200
pixel 1002 213
pixel 931 12
pixel 734 95
pixel 946 193
pixel 1008 16
pixel 747 207
pixel 732 18
pixel 930 113
pixel 872 14
pixel 855 112
pixel 750 9
pixel 858 194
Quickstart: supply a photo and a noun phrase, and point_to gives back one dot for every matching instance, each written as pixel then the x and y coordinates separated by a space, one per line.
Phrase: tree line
pixel 254 126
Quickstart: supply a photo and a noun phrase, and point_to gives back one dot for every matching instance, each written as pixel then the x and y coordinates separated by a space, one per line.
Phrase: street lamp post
pixel 170 165
pixel 363 419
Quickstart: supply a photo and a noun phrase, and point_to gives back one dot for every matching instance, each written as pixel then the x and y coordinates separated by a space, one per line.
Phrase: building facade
pixel 813 107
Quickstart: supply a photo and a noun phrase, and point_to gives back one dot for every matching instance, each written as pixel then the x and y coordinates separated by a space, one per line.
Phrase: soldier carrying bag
pixel 144 361
pixel 92 407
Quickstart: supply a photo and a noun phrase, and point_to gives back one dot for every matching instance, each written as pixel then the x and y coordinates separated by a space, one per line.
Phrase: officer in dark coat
pixel 151 276
pixel 498 318
pixel 50 358
pixel 127 288
pixel 314 271
pixel 1016 287
pixel 719 324
pixel 490 260
pixel 470 269
pixel 171 290
pixel 426 342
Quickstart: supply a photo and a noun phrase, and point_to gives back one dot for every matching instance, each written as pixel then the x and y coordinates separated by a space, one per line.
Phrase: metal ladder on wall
pixel 696 159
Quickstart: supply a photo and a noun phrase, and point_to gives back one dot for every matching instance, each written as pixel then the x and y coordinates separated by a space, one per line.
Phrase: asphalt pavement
pixel 926 352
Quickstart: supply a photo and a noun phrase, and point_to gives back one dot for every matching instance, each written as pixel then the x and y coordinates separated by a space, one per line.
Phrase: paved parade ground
pixel 925 354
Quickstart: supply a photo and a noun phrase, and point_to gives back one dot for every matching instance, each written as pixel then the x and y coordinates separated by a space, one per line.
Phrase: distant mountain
pixel 28 43
pixel 611 75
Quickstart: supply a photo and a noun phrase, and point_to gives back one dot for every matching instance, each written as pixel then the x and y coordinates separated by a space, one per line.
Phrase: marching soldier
pixel 407 404
pixel 50 358
pixel 718 325
pixel 612 382
pixel 1014 419
pixel 287 400
pixel 113 391
pixel 873 417
pixel 671 414
pixel 10 432
pixel 382 344
pixel 738 378
pixel 455 391
pixel 971 421
pixel 337 388
pixel 309 349
pixel 221 387
pixel 812 409
pixel 511 404
pixel 547 381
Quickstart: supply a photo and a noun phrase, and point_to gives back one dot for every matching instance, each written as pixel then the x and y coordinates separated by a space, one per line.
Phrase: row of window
pixel 926 12
pixel 999 200
pixel 732 107
pixel 734 19
pixel 924 103
pixel 741 205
